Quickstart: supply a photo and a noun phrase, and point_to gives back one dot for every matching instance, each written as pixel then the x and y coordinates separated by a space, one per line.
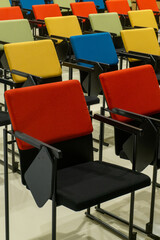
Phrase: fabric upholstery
pixel 36 57
pixel 65 3
pixel 147 41
pixel 46 10
pixel 83 9
pixel 121 7
pixel 147 4
pixel 142 18
pixel 86 185
pixel 95 47
pixel 99 4
pixel 10 13
pixel 133 89
pixel 5 3
pixel 25 109
pixel 28 3
pixel 107 22
pixel 15 31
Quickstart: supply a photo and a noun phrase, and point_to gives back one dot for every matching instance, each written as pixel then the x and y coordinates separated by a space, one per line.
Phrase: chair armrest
pixel 77 66
pixel 82 18
pixel 123 15
pixel 4 42
pixel 60 37
pixel 38 144
pixel 23 74
pixel 65 8
pixel 93 63
pixel 117 124
pixel 44 37
pixel 6 82
pixel 39 21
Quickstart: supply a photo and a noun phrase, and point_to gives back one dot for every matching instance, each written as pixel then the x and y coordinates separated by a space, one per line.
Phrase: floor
pixel 28 222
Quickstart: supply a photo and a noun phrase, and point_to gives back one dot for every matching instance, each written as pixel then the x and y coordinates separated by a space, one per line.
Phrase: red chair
pixel 10 13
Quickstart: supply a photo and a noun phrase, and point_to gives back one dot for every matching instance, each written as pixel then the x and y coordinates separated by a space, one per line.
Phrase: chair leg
pixel 53 219
pixel 132 235
pixel 6 188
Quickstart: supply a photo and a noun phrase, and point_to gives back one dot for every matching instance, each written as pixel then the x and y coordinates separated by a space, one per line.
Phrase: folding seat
pixel 121 7
pixel 94 50
pixel 143 18
pixel 108 22
pixel 82 11
pixel 144 44
pixel 149 4
pixel 56 151
pixel 10 13
pixel 133 97
pixel 61 29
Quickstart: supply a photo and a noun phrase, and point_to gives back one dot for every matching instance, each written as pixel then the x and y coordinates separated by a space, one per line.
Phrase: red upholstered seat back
pixel 147 4
pixel 121 7
pixel 83 9
pixel 46 10
pixel 10 13
pixel 133 89
pixel 50 112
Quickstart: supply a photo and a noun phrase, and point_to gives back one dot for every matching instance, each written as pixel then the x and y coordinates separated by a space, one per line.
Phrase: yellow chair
pixel 37 58
pixel 143 18
pixel 144 42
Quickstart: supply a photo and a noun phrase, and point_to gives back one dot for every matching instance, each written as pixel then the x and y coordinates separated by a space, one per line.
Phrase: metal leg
pixel 53 219
pixel 6 188
pixel 132 235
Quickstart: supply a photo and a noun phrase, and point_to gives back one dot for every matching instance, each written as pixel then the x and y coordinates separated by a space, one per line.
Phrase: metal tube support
pixel 53 218
pixel 6 187
pixel 101 137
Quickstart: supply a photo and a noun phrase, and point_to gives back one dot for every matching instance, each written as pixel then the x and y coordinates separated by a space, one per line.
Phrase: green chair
pixel 5 3
pixel 64 4
pixel 108 22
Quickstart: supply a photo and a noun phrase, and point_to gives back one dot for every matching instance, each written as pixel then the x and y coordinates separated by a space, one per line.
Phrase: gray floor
pixel 28 222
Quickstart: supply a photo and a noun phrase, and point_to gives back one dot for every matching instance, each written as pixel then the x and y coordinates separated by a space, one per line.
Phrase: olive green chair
pixel 5 3
pixel 64 4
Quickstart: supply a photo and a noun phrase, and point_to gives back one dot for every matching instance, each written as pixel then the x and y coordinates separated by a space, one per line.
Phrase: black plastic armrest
pixel 60 37
pixel 156 12
pixel 6 82
pixel 4 42
pixel 123 15
pixel 80 17
pixel 66 8
pixel 93 63
pixel 117 124
pixel 137 55
pixel 26 9
pixel 156 57
pixel 39 21
pixel 37 143
pixel 45 37
pixel 23 74
pixel 77 66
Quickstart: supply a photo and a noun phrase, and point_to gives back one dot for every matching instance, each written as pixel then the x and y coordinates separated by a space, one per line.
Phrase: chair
pixel 13 31
pixel 5 3
pixel 133 96
pixel 94 50
pixel 61 29
pixel 149 4
pixel 82 11
pixel 146 47
pixel 99 5
pixel 143 18
pixel 121 7
pixel 27 4
pixel 10 13
pixel 65 5
pixel 68 172
pixel 129 2
pixel 102 22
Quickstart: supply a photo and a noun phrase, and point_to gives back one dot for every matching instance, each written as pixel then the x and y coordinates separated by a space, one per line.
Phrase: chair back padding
pixel 5 3
pixel 141 40
pixel 10 13
pixel 65 26
pixel 15 31
pixel 147 4
pixel 134 89
pixel 83 9
pixel 50 112
pixel 96 47
pixel 142 18
pixel 36 57
pixel 27 4
pixel 65 3
pixel 129 2
pixel 107 22
pixel 121 7
pixel 99 4
pixel 46 10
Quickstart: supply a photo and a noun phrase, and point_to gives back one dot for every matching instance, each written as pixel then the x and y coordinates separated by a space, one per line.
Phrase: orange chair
pixel 82 11
pixel 10 13
pixel 121 7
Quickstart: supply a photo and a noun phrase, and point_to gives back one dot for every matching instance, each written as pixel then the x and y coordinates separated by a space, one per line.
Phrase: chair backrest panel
pixel 83 9
pixel 142 18
pixel 147 4
pixel 27 4
pixel 15 31
pixel 134 89
pixel 99 3
pixel 121 7
pixel 46 10
pixel 96 47
pixel 65 3
pixel 107 22
pixel 147 41
pixel 51 112
pixel 10 13
pixel 65 26
pixel 36 57
pixel 5 3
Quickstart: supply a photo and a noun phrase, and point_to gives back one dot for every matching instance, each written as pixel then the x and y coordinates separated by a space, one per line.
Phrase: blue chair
pixel 27 4
pixel 99 4
pixel 98 50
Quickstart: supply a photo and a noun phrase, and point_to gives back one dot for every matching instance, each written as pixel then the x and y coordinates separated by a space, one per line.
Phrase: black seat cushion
pixel 88 184
pixel 4 118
